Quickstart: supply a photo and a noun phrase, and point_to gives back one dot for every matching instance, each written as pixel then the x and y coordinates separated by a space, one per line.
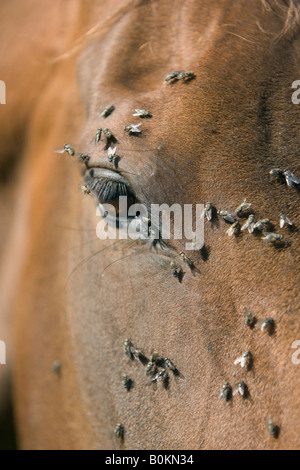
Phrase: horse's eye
pixel 108 186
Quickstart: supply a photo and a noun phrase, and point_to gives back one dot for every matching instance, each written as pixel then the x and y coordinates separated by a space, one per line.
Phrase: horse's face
pixel 214 138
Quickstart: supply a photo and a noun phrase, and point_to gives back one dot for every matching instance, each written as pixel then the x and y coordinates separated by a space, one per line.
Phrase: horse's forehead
pixel 214 117
pixel 150 36
pixel 128 63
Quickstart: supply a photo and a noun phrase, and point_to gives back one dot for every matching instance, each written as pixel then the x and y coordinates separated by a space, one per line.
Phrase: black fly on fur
pixel 242 390
pixel 187 260
pixel 268 326
pixel 227 216
pixel 133 353
pixel 120 432
pixel 250 320
pixel 127 382
pixel 84 158
pixel 179 75
pixel 226 392
pixel 56 367
pixel 176 271
pixel 274 430
pixel 67 149
pixel 110 138
pixel 98 135
pixel 107 111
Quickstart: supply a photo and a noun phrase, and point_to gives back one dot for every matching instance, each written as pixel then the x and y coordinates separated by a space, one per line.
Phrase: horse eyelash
pixel 107 189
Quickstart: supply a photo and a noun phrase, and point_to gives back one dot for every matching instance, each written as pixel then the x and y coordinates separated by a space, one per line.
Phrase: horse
pixel 112 347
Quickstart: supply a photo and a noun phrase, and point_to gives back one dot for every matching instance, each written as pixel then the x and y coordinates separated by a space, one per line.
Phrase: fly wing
pixel 290 178
pixel 294 179
pixel 245 226
pixel 251 227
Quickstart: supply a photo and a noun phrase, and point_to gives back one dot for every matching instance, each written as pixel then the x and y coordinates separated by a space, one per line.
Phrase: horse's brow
pixel 291 8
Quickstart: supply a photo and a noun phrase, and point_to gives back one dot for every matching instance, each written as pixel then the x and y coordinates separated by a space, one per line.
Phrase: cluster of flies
pixel 82 158
pixel 243 211
pixel 246 362
pixel 267 326
pixel 131 129
pixel 158 369
pixel 263 226
pixel 175 76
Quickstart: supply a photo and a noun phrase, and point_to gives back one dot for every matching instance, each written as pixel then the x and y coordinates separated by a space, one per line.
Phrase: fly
pixel 284 220
pixel 246 360
pixel 270 237
pixel 227 216
pixel 98 135
pixel 234 230
pixel 243 208
pixel 226 392
pixel 107 111
pixel 133 128
pixel 269 326
pixel 208 211
pixel 290 178
pixel 261 225
pixel 249 224
pixel 142 113
pixel 67 149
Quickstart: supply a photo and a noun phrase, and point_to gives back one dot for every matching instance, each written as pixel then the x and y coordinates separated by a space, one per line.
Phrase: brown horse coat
pixel 214 139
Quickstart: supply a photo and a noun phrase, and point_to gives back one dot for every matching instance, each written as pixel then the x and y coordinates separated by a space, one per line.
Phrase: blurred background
pixel 32 35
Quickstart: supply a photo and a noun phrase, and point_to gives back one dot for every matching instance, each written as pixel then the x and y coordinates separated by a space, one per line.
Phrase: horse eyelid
pixel 106 188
